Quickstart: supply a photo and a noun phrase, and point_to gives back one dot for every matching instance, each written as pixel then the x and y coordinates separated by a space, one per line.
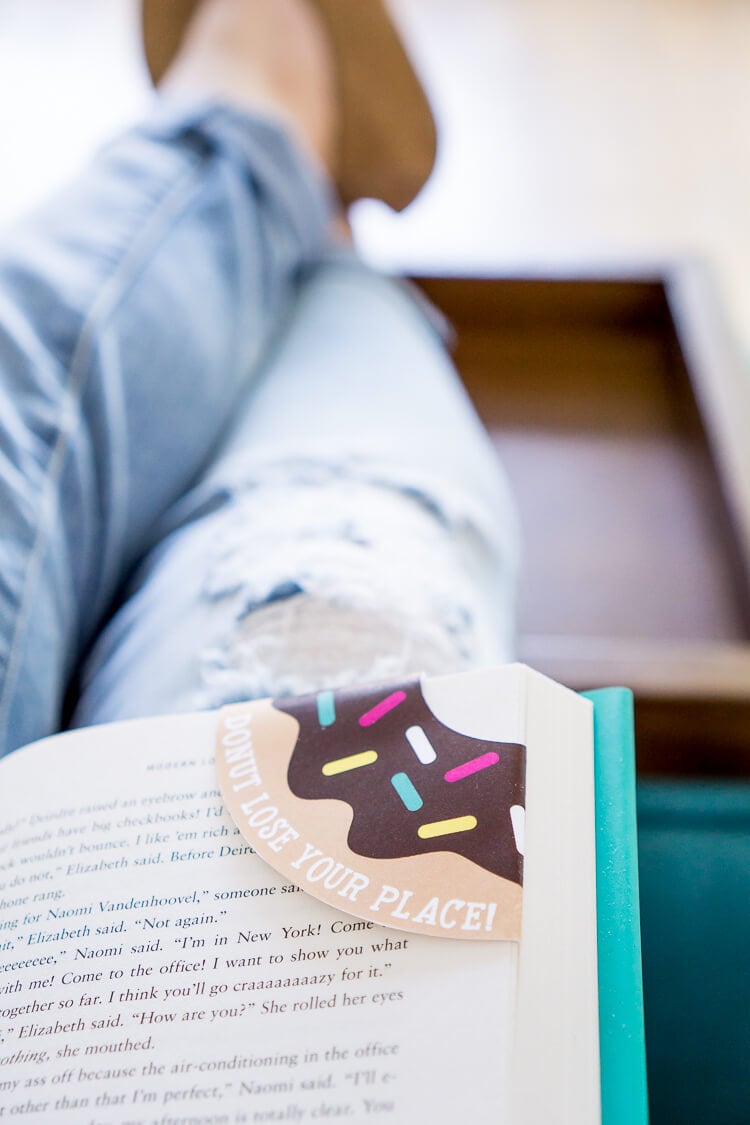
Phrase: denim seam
pixel 104 305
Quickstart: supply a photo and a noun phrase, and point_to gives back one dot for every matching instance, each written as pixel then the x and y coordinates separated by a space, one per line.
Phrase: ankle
pixel 271 57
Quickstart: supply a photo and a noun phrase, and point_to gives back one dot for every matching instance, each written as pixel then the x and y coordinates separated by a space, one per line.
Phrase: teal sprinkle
pixel 406 791
pixel 326 708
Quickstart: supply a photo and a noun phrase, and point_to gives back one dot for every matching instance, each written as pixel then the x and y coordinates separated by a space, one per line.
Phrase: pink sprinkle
pixel 474 766
pixel 382 708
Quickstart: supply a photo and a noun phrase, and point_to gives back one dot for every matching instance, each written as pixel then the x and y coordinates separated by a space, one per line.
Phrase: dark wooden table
pixel 621 412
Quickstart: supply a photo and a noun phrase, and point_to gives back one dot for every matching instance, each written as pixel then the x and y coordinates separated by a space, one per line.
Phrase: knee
pixel 339 578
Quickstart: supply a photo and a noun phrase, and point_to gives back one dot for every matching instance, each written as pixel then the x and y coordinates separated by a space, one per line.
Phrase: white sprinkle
pixel 518 820
pixel 421 745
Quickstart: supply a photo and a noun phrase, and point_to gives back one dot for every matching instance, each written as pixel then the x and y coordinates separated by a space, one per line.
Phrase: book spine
pixel 621 1027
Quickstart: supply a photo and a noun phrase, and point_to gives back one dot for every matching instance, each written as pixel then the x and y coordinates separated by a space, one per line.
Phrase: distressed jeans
pixel 234 461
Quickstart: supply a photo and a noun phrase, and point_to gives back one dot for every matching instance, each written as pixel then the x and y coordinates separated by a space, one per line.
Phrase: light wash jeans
pixel 233 460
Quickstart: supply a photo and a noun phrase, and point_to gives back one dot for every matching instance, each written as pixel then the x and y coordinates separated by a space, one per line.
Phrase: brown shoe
pixel 388 139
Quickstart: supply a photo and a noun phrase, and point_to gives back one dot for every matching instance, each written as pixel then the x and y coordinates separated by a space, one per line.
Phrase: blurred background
pixel 573 131
pixel 577 136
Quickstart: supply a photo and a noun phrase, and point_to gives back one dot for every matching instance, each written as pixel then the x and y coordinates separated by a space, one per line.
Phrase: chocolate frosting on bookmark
pixel 367 801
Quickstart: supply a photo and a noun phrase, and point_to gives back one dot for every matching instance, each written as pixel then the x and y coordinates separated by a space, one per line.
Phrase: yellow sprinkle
pixel 353 762
pixel 445 827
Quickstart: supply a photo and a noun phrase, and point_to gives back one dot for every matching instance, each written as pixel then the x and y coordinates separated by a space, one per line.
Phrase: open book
pixel 153 968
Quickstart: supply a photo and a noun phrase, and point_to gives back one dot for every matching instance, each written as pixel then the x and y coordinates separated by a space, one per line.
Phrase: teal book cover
pixel 621 1026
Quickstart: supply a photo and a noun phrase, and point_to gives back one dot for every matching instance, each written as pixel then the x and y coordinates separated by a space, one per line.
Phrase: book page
pixel 557 1014
pixel 153 969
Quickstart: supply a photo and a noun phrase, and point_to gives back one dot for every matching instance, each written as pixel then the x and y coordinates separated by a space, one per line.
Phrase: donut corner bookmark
pixel 372 800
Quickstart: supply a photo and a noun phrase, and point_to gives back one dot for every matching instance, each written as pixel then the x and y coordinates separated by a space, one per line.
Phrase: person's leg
pixel 132 310
pixel 355 525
